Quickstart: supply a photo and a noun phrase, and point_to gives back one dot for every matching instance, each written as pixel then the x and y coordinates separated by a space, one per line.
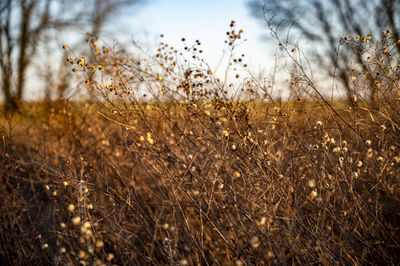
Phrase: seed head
pixel 255 242
pixel 313 194
pixel 183 262
pixel 76 220
pixel 110 256
pixel 99 243
pixel 71 207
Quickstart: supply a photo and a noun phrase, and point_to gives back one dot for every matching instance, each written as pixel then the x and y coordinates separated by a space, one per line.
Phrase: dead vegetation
pixel 204 179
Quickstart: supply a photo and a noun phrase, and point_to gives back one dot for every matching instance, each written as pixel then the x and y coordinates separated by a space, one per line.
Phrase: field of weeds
pixel 204 179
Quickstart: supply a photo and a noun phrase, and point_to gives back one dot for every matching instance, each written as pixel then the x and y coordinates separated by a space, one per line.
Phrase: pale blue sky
pixel 205 20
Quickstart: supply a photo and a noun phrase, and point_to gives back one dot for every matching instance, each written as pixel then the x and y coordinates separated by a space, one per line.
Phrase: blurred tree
pixel 23 28
pixel 323 24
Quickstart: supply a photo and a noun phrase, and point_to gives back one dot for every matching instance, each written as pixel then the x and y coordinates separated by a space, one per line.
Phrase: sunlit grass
pixel 193 175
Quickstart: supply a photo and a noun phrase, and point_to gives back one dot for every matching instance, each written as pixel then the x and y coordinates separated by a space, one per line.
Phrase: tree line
pixel 26 25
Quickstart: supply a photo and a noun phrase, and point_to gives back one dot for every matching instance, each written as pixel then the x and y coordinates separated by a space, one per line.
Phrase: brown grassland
pixel 202 179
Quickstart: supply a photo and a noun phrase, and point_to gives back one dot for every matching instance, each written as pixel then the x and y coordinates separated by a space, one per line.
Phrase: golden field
pixel 203 179
pixel 191 183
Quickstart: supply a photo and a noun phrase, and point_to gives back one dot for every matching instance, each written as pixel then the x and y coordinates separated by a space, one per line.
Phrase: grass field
pixel 249 184
pixel 204 179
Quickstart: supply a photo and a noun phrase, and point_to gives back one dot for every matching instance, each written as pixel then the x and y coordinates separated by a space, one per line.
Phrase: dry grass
pixel 200 180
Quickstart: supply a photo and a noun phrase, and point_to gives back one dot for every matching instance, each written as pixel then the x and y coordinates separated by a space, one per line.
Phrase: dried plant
pixel 164 166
